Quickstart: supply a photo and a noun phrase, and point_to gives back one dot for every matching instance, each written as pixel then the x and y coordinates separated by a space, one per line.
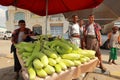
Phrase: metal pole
pixel 46 15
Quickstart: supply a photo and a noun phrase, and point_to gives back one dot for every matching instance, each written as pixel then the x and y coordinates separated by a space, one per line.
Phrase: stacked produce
pixel 44 57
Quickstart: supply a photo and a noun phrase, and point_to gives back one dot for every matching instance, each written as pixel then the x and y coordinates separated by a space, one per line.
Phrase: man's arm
pixel 109 36
pixel 100 41
pixel 119 39
pixel 29 33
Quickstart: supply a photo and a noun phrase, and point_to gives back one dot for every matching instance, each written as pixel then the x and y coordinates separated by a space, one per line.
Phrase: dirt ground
pixel 6 69
pixel 7 72
pixel 98 76
pixel 7 61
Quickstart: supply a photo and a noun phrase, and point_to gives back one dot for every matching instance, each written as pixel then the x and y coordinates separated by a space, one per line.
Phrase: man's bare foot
pixel 114 63
pixel 109 62
pixel 103 68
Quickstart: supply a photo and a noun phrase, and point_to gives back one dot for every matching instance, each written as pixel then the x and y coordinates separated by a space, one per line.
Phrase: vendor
pixel 19 35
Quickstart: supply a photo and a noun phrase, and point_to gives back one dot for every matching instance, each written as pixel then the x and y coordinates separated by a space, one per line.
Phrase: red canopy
pixel 54 6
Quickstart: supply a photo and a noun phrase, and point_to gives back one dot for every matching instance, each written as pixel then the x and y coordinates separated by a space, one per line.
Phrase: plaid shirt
pixel 16 33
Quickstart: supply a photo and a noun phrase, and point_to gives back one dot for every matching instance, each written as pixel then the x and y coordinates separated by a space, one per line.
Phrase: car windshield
pixel 8 31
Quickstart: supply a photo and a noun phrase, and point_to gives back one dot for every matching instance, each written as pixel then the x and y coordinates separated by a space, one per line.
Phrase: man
pixel 74 31
pixel 75 34
pixel 19 35
pixel 93 38
pixel 81 25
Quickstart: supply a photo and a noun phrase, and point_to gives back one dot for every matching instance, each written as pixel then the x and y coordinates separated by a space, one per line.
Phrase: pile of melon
pixel 43 57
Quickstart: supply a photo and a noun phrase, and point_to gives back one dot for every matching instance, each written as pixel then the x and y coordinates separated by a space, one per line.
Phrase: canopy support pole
pixel 46 16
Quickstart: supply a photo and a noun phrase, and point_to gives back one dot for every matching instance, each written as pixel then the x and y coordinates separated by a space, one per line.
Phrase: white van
pixel 5 35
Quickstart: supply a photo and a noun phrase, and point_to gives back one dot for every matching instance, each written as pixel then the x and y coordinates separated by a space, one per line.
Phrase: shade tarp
pixel 106 12
pixel 54 6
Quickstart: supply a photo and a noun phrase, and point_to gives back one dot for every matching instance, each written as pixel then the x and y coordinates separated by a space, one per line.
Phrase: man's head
pixel 75 18
pixel 115 29
pixel 81 22
pixel 21 23
pixel 91 18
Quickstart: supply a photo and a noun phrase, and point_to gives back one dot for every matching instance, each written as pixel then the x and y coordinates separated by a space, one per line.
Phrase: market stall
pixel 69 74
pixel 55 59
pixel 49 7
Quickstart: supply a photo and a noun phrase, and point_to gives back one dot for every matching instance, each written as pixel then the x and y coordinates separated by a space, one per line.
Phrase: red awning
pixel 54 6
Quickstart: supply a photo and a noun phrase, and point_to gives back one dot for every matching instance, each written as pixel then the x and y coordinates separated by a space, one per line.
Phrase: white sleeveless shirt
pixel 114 39
pixel 20 37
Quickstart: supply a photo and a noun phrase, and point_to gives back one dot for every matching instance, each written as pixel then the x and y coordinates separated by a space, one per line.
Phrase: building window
pixel 56 30
pixel 37 30
pixel 19 16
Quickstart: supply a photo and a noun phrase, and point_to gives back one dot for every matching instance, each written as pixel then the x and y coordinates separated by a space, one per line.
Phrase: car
pixel 5 35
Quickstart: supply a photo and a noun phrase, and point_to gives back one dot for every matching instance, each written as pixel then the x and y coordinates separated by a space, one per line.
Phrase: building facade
pixel 56 24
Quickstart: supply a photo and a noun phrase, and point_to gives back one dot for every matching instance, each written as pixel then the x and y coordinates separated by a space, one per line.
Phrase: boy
pixel 114 40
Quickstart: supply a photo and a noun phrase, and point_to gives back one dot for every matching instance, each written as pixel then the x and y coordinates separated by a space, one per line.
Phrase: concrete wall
pixel 32 20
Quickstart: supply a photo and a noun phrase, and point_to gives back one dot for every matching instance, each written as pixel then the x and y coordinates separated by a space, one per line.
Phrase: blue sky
pixel 2 16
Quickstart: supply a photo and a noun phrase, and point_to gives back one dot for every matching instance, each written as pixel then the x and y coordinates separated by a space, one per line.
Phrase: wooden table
pixel 69 74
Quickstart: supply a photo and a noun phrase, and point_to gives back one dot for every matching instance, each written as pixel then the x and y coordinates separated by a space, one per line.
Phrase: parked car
pixel 5 35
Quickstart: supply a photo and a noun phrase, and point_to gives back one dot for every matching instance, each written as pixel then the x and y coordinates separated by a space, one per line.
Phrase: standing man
pixel 19 35
pixel 93 38
pixel 81 25
pixel 75 34
pixel 74 31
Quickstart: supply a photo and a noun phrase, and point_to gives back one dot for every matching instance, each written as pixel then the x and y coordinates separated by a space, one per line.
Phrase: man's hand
pixel 100 43
pixel 24 36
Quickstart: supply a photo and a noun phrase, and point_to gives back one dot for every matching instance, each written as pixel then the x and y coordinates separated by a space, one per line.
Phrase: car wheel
pixel 5 38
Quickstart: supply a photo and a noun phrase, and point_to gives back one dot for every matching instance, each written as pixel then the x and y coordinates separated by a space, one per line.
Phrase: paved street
pixel 6 64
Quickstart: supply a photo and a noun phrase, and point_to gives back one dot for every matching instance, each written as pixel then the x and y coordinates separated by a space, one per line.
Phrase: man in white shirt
pixel 74 31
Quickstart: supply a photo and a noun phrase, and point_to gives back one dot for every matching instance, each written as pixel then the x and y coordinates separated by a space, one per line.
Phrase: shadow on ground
pixel 7 73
